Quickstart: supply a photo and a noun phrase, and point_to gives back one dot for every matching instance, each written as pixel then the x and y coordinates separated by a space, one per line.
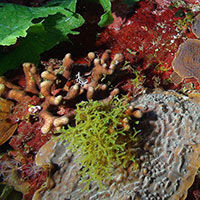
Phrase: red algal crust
pixel 149 39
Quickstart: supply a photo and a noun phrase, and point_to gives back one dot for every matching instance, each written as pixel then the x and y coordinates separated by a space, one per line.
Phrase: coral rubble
pixel 168 155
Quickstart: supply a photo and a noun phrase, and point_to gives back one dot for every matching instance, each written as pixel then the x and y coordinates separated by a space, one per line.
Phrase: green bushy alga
pixel 100 138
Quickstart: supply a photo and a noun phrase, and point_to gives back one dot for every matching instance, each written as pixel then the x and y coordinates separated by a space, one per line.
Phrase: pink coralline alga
pixel 163 2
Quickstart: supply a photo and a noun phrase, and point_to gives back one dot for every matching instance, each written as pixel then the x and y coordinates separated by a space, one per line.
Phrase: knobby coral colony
pixel 58 87
pixel 168 155
pixel 46 100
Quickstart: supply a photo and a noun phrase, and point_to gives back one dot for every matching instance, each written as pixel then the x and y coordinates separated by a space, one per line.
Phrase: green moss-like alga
pixel 100 138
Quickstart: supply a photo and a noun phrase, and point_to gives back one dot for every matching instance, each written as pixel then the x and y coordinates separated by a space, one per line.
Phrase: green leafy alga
pixel 130 2
pixel 106 18
pixel 100 139
pixel 15 20
pixel 52 25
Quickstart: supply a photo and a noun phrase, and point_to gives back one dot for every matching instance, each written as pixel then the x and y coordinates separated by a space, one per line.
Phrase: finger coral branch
pixel 45 88
pixel 60 121
pixel 112 94
pixel 17 95
pixel 48 76
pixel 73 92
pixel 90 92
pixel 67 64
pixel 62 84
pixel 105 56
pixel 2 89
pixel 29 70
pixel 48 121
pixel 8 84
pixel 91 56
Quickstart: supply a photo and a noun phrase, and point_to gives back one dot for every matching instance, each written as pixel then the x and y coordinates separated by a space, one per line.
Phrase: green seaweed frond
pixel 100 139
pixel 185 23
pixel 139 78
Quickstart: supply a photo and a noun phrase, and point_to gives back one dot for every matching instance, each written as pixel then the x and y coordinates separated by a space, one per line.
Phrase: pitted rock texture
pixel 168 155
pixel 172 146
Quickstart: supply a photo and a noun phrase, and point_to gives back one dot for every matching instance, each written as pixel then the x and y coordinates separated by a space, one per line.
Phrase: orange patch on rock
pixel 6 128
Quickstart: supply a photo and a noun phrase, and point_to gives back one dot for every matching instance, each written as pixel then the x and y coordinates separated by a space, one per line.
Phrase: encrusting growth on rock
pixel 186 61
pixel 196 26
pixel 60 86
pixel 168 155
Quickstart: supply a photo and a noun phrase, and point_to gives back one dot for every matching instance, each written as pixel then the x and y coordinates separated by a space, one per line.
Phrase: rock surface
pixel 168 155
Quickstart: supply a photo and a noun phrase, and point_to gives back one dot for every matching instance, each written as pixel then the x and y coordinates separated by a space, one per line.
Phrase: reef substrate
pixel 143 43
pixel 168 155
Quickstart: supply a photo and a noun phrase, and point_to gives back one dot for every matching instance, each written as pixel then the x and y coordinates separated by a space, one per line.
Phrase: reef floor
pixel 152 46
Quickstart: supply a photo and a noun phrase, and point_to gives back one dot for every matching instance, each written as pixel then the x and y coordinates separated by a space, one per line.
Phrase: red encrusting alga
pixel 149 39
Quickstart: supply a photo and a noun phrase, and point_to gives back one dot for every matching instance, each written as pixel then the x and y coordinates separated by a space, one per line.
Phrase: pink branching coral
pixel 45 101
pixel 56 90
